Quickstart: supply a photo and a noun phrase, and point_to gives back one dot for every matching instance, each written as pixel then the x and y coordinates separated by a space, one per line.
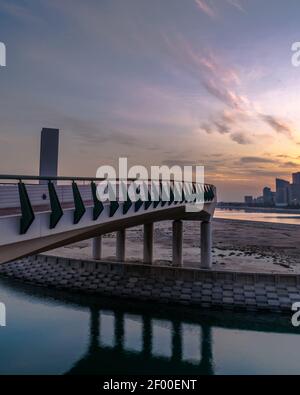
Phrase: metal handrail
pixel 22 177
pixel 27 212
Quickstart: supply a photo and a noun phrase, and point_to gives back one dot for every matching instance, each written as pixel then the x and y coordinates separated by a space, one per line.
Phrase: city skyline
pixel 154 82
pixel 287 193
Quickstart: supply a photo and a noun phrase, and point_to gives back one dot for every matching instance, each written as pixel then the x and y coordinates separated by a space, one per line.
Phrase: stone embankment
pixel 200 288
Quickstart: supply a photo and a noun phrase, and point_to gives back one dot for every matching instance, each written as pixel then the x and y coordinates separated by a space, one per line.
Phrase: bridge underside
pixel 39 240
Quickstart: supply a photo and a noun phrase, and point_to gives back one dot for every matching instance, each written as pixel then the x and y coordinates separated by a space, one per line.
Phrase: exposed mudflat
pixel 239 245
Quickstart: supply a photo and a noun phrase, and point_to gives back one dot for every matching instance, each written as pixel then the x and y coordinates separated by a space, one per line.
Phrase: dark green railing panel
pixel 78 202
pixel 183 196
pixel 194 191
pixel 138 204
pixel 211 193
pixel 189 190
pixel 200 191
pixel 206 193
pixel 176 193
pixel 164 199
pixel 171 196
pixel 148 202
pixel 114 205
pixel 156 203
pixel 126 206
pixel 156 193
pixel 212 196
pixel 27 217
pixel 98 206
pixel 56 210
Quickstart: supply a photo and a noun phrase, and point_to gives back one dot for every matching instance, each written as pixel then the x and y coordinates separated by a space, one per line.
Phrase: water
pixel 50 332
pixel 248 215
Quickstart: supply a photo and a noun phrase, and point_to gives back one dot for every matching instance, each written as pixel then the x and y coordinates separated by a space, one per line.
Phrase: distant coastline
pixel 258 209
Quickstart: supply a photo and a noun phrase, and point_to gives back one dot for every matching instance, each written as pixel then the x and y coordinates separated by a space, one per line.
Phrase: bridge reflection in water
pixel 138 344
pixel 63 332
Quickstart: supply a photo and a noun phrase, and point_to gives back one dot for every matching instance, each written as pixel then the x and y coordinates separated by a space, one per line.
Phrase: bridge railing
pixel 55 194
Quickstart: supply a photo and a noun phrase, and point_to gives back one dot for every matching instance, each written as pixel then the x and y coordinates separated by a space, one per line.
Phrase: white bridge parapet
pixel 112 217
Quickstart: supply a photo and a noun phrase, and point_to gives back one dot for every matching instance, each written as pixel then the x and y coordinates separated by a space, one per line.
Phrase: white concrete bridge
pixel 35 218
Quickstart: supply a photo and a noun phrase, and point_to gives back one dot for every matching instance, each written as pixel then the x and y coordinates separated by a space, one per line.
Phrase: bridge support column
pixel 177 242
pixel 97 248
pixel 120 245
pixel 206 245
pixel 148 243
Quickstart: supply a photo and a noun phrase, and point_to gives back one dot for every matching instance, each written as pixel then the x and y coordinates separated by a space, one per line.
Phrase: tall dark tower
pixel 49 153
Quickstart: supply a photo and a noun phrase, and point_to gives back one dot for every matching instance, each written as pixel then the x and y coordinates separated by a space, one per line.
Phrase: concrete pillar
pixel 120 245
pixel 97 247
pixel 148 243
pixel 177 242
pixel 206 245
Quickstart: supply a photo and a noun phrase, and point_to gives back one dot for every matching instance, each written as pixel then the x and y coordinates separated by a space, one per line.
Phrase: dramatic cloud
pixel 224 94
pixel 256 159
pixel 223 83
pixel 207 128
pixel 222 128
pixel 278 125
pixel 259 160
pixel 290 164
pixel 237 4
pixel 204 7
pixel 208 7
pixel 240 138
pixel 179 162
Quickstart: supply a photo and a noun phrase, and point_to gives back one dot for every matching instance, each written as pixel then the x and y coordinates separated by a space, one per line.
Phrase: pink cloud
pixel 204 7
pixel 208 8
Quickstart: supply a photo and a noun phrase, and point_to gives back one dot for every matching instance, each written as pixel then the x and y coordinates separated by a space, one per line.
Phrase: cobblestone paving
pixel 89 277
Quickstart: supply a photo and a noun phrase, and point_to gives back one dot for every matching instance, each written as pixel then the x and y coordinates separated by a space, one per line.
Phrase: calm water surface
pixel 59 333
pixel 246 215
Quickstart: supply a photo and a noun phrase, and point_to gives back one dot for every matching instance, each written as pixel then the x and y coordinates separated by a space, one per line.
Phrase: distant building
pixel 268 197
pixel 259 200
pixel 296 178
pixel 282 192
pixel 248 200
pixel 287 194
pixel 49 153
pixel 294 194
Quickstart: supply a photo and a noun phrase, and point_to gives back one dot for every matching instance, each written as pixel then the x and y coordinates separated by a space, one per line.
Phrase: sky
pixel 187 82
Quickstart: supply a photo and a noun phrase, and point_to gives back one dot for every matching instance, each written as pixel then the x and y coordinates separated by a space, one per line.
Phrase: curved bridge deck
pixel 73 213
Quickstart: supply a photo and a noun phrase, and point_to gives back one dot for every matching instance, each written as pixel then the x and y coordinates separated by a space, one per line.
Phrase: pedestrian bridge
pixel 39 214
